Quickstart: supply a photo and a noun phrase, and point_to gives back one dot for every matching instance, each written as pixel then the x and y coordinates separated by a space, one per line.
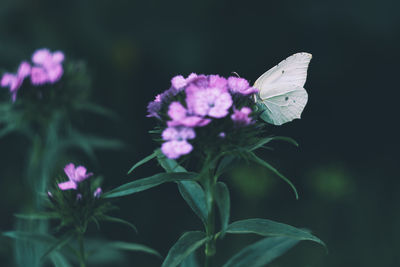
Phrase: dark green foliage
pixel 266 227
pixel 77 208
pixel 262 252
pixel 186 245
pixel 149 182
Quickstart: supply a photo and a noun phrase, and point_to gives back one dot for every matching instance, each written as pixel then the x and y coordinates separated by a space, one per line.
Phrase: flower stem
pixel 209 188
pixel 82 257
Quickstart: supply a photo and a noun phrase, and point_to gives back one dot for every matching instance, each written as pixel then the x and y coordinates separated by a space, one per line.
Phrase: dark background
pixel 345 167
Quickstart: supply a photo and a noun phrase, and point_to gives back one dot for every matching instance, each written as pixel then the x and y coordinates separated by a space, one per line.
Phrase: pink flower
pixel 175 149
pixel 49 68
pixel 14 81
pixel 177 144
pixel 241 117
pixel 212 101
pixel 181 117
pixel 178 82
pixel 38 76
pixel 75 176
pixel 241 86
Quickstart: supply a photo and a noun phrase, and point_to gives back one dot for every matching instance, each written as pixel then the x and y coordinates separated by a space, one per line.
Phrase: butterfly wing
pixel 281 93
pixel 283 103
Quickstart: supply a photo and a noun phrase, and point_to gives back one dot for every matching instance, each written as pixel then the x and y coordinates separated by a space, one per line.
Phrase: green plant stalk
pixel 209 184
pixel 82 257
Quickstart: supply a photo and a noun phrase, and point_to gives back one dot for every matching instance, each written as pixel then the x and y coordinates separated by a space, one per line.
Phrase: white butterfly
pixel 281 93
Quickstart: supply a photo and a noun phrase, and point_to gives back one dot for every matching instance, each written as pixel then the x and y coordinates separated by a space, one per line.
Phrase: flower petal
pixel 69 170
pixel 68 185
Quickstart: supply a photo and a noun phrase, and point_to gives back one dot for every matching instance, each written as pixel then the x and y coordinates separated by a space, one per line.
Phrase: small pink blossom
pixel 241 117
pixel 75 176
pixel 175 149
pixel 14 81
pixel 50 64
pixel 177 144
pixel 214 102
pixel 181 117
pixel 178 82
pixel 157 98
pixel 241 86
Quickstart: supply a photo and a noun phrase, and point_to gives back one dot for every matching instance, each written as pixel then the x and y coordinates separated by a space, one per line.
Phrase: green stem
pixel 82 257
pixel 209 188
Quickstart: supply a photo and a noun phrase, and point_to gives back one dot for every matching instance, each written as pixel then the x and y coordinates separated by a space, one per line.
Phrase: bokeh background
pixel 345 168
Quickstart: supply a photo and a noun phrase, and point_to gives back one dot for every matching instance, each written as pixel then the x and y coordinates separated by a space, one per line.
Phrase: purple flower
pixel 222 135
pixel 14 81
pixel 177 144
pixel 241 117
pixel 49 68
pixel 97 192
pixel 181 117
pixel 78 197
pixel 75 176
pixel 241 86
pixel 178 82
pixel 38 76
pixel 212 101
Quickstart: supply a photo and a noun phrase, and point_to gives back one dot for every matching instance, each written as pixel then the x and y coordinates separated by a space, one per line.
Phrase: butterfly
pixel 281 97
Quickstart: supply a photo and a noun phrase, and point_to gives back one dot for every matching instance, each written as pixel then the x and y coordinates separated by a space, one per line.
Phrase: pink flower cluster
pixel 76 175
pixel 206 98
pixel 46 68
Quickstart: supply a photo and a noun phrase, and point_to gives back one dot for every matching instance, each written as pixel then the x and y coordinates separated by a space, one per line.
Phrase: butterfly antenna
pixel 235 73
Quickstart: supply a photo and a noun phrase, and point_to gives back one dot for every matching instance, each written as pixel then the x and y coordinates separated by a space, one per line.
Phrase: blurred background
pixel 344 168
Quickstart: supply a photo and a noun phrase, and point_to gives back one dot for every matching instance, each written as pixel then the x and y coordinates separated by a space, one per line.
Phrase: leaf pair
pixel 280 238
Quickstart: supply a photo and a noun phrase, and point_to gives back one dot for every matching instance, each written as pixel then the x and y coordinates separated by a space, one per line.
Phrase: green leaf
pixel 169 165
pixel 194 195
pixel 266 227
pixel 270 167
pixel 224 205
pixel 60 243
pixel 225 164
pixel 33 237
pixel 262 252
pixel 118 220
pixel 191 191
pixel 59 260
pixel 149 182
pixel 190 261
pixel 186 244
pixel 143 161
pixel 38 216
pixel 266 140
pixel 132 247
